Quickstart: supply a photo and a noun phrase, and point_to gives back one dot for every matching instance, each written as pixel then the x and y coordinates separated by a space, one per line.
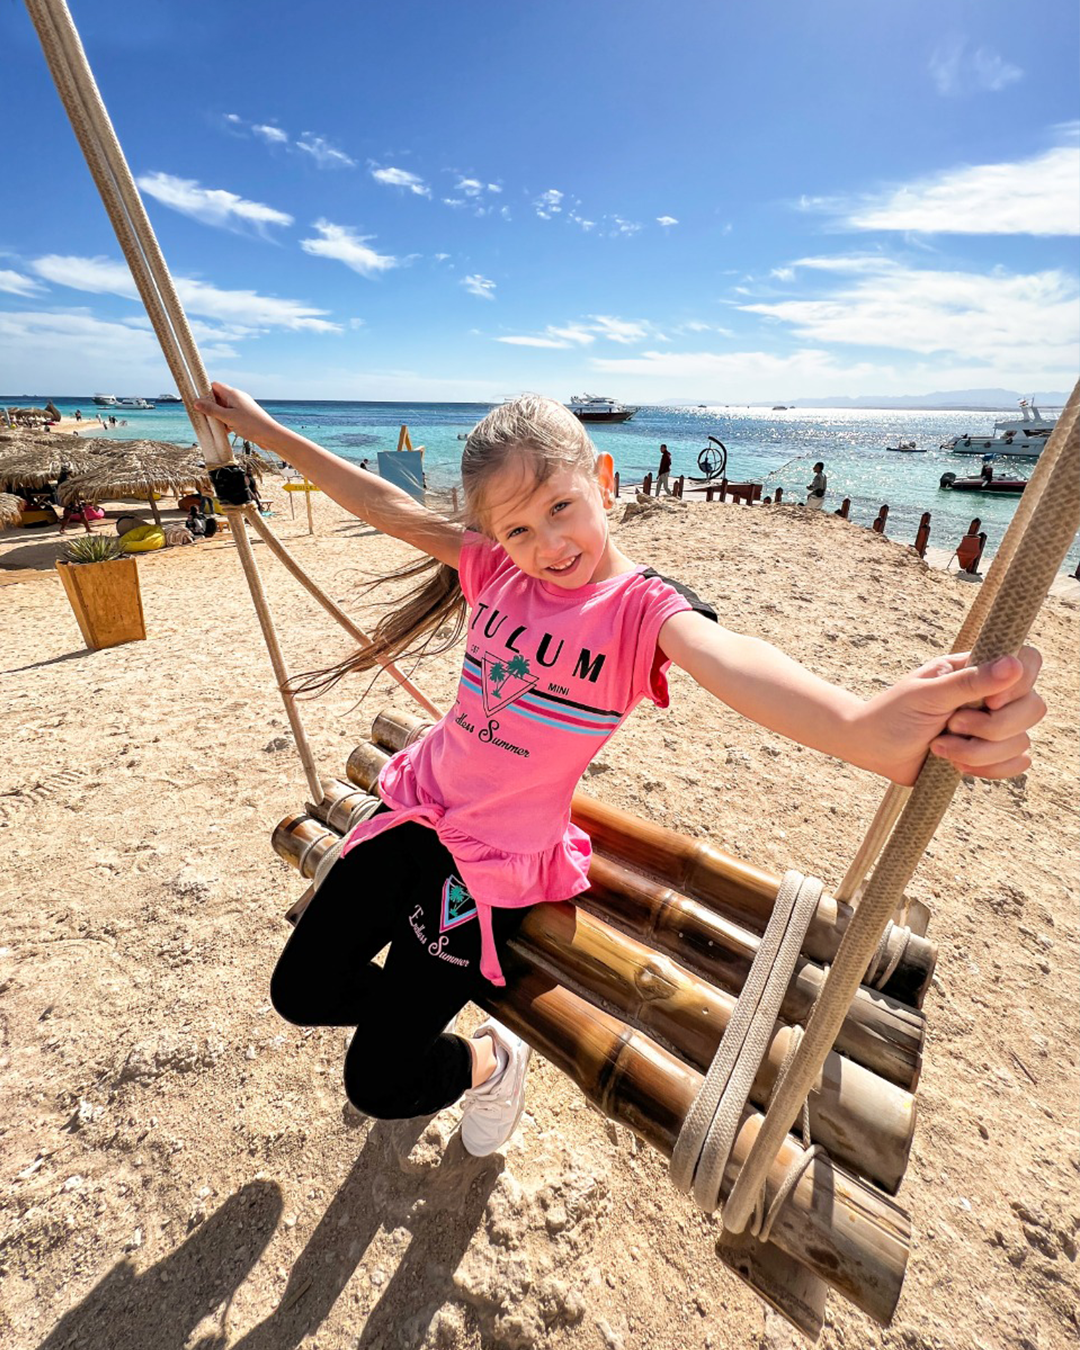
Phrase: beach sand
pixel 179 1168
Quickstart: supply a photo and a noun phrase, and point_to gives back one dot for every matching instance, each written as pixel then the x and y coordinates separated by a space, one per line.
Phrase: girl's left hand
pixel 930 709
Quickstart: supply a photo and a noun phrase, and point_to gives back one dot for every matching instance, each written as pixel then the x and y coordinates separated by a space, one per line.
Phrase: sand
pixel 179 1168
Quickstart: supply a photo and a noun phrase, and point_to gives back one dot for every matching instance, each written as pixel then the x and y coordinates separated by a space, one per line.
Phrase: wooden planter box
pixel 106 599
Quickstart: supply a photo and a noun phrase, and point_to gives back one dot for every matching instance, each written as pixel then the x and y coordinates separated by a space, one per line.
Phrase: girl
pixel 565 635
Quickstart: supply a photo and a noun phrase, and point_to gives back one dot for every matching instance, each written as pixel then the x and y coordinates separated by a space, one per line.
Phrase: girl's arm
pixel 890 733
pixel 365 494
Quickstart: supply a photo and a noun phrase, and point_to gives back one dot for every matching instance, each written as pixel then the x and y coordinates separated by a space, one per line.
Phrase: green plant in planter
pixel 92 548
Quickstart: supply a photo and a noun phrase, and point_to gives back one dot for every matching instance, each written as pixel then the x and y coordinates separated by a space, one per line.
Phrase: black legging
pixel 400 888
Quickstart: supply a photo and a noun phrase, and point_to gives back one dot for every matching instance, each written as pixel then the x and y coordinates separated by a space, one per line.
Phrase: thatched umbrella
pixel 133 469
pixel 34 461
pixel 10 508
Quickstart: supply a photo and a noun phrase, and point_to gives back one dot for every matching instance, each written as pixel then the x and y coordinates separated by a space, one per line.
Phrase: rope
pixel 1028 576
pixel 888 812
pixel 97 138
pixel 703 1148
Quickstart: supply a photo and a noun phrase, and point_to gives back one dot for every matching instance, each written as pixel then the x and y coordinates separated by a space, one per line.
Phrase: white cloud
pixel 102 276
pixel 995 318
pixel 212 206
pixel 452 201
pixel 471 187
pixel 13 283
pixel 342 243
pixel 401 178
pixel 957 69
pixel 525 341
pixel 494 187
pixel 478 285
pixel 619 330
pixel 619 226
pixel 586 225
pixel 272 135
pixel 666 221
pixel 323 153
pixel 549 203
pixel 783 273
pixel 1038 196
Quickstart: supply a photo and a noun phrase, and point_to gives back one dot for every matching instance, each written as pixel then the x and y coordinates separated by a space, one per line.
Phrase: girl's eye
pixel 559 506
pixel 518 529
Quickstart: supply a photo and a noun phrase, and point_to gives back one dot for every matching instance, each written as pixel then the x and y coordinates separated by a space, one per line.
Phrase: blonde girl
pixel 565 635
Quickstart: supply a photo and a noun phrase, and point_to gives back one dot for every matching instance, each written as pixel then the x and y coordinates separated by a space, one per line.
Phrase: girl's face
pixel 555 531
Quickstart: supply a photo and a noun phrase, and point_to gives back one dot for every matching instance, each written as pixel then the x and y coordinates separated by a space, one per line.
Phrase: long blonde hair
pixel 431 617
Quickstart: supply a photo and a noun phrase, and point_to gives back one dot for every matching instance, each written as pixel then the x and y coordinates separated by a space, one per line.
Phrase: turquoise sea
pixel 776 448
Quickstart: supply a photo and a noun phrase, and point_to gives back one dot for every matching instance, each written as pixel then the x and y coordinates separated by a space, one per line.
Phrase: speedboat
pixel 169 398
pixel 133 404
pixel 906 448
pixel 1020 437
pixel 594 408
pixel 998 487
pixel 106 400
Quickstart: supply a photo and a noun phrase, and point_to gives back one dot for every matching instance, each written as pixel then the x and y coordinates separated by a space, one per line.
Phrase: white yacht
pixel 1020 437
pixel 169 398
pixel 594 408
pixel 134 404
pixel 106 400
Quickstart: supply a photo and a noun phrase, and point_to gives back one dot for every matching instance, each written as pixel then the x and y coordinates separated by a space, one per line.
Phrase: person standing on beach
pixel 565 635
pixel 663 472
pixel 816 489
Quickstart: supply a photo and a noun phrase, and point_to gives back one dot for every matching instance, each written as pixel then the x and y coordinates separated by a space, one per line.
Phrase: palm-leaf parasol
pixel 33 461
pixel 10 508
pixel 133 469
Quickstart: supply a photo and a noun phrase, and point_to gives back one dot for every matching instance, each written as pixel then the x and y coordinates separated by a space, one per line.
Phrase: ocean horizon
pixel 775 447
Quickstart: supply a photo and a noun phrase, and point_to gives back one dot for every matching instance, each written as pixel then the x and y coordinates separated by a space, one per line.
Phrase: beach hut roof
pixel 33 461
pixel 126 467
pixel 10 508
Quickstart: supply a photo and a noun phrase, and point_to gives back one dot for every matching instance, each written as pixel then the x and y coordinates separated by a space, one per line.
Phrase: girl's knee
pixel 288 1001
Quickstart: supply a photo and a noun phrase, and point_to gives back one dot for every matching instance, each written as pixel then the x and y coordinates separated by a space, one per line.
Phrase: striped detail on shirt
pixel 548 709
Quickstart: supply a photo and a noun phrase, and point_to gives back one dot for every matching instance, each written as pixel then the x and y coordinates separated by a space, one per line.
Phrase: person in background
pixel 663 471
pixel 816 488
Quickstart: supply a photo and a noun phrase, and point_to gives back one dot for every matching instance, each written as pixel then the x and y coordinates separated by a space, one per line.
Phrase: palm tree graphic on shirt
pixel 504 681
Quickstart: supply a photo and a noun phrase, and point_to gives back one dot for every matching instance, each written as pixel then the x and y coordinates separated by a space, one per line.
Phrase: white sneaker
pixel 493 1109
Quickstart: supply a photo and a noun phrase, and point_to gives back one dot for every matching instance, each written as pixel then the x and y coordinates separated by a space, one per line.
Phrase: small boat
pixel 594 408
pixel 999 487
pixel 106 400
pixel 906 448
pixel 169 398
pixel 780 407
pixel 133 404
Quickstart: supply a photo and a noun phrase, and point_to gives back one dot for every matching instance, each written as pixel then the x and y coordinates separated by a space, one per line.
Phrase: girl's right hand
pixel 239 412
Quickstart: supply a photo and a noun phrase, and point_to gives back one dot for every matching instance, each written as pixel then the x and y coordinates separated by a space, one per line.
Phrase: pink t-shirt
pixel 549 675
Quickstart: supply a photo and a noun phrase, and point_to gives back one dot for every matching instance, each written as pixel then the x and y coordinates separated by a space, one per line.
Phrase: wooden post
pixel 679 485
pixel 882 518
pixel 845 507
pixel 616 486
pixel 709 493
pixel 778 495
pixel 646 485
pixel 922 535
pixel 307 498
pixel 453 497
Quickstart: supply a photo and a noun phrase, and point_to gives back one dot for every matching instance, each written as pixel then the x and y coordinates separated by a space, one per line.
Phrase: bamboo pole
pixel 307 498
pixel 732 888
pixel 844 1232
pixel 881 1033
pixel 864 1121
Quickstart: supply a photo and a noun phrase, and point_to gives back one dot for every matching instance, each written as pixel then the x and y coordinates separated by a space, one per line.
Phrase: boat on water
pixel 1020 437
pixel 996 487
pixel 906 448
pixel 133 404
pixel 169 398
pixel 106 400
pixel 594 408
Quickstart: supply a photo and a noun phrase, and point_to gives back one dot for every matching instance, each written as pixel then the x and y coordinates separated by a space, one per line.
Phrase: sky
pixel 750 201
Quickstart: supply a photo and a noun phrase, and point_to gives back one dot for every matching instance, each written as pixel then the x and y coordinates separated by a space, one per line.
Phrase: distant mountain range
pixel 975 400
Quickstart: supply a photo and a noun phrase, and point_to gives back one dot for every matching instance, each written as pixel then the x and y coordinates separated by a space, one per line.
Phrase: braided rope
pixel 711 1125
pixel 892 803
pixel 1028 577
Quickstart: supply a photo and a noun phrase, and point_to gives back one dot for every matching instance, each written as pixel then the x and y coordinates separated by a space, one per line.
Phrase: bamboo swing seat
pixel 632 990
